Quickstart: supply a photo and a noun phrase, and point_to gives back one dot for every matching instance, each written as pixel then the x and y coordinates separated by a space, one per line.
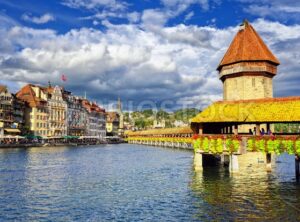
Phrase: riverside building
pixel 112 123
pixel 95 124
pixel 19 107
pixel 6 111
pixel 76 115
pixel 37 110
pixel 57 112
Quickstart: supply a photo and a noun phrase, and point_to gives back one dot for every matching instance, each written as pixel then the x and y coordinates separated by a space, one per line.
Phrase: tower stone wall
pixel 246 87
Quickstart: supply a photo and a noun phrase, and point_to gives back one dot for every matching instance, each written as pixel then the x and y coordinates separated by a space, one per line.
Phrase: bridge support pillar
pixel 268 162
pixel 233 164
pixel 297 168
pixel 225 160
pixel 198 161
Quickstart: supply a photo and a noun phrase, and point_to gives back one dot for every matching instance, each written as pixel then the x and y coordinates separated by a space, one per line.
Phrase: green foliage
pixel 219 147
pixel 196 144
pixel 205 145
pixel 277 147
pixel 270 146
pixel 260 145
pixel 274 146
pixel 297 146
pixel 251 144
pixel 236 146
pixel 148 116
pixel 287 127
pixel 126 117
pixel 147 113
pixel 142 123
pixel 229 144
pixel 161 114
pixel 185 114
pixel 289 146
pixel 213 146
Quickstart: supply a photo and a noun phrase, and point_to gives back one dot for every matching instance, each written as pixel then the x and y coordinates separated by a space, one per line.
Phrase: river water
pixel 138 183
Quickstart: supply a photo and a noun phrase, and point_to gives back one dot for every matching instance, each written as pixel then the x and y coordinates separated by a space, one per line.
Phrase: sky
pixel 150 53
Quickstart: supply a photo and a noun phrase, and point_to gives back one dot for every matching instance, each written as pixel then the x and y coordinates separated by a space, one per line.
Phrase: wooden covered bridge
pixel 243 123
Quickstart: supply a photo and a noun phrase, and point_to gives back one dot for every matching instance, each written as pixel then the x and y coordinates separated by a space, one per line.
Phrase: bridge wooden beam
pixel 235 130
pixel 200 129
pixel 257 132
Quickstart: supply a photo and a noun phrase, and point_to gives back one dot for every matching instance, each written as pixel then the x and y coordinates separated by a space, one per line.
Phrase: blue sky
pixel 147 52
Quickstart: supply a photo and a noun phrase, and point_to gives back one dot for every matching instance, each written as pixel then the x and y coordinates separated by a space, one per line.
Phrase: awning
pixel 12 130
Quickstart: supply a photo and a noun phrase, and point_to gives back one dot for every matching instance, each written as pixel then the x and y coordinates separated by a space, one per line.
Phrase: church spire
pixel 119 105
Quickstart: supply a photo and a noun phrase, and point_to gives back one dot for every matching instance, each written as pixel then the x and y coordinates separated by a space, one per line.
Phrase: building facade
pixel 57 107
pixel 76 115
pixel 37 110
pixel 6 110
pixel 112 123
pixel 95 125
pixel 19 107
pixel 248 67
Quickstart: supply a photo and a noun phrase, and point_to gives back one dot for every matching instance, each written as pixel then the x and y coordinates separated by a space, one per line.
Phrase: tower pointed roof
pixel 247 46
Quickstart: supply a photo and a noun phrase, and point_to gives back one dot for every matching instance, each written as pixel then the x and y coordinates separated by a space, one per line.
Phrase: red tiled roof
pixel 247 46
pixel 92 106
pixel 28 95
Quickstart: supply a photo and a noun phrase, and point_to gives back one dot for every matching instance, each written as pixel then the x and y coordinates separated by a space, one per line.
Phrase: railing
pixel 174 142
pixel 220 144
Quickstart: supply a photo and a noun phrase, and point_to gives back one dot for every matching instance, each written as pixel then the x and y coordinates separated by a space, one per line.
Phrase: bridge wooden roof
pixel 247 45
pixel 166 131
pixel 274 110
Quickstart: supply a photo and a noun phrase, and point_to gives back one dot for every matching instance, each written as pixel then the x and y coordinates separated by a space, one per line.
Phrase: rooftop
pixel 27 94
pixel 247 45
pixel 273 110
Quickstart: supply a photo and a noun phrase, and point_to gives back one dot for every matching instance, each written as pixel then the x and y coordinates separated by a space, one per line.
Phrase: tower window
pixel 253 82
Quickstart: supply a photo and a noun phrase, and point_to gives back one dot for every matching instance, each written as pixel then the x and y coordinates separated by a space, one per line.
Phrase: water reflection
pixel 251 194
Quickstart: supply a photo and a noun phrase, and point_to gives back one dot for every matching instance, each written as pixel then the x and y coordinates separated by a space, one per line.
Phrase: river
pixel 138 183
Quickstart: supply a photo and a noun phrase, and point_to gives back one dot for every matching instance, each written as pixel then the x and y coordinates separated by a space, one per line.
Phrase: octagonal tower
pixel 248 67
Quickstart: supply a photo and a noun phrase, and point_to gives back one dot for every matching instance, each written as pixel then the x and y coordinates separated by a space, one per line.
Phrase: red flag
pixel 63 78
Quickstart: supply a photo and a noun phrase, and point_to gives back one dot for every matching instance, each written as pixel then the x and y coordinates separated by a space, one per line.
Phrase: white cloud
pixel 134 17
pixel 38 20
pixel 170 63
pixel 188 16
pixel 182 5
pixel 154 19
pixel 92 4
pixel 283 10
